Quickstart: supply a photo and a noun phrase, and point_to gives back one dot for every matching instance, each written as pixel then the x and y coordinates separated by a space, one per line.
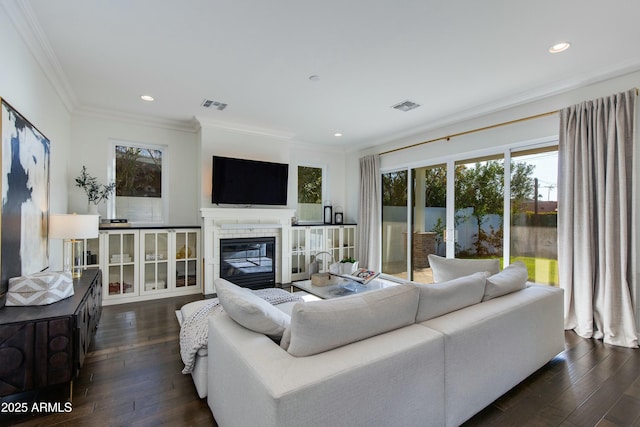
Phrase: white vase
pixel 93 209
pixel 348 267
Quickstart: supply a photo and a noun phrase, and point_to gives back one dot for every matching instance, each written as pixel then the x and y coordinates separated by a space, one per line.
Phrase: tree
pixel 481 188
pixel 522 185
pixel 436 187
pixel 138 172
pixel 309 185
pixel 394 189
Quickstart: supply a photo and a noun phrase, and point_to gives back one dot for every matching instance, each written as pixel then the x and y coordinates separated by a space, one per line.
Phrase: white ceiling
pixel 456 58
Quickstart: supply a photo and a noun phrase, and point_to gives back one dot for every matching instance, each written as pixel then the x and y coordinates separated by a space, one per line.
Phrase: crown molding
pixel 24 20
pixel 138 119
pixel 205 122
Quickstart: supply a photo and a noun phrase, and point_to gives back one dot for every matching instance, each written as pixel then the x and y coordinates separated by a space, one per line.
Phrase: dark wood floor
pixel 131 376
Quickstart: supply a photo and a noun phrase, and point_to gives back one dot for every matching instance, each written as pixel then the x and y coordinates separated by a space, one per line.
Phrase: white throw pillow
pixel 451 268
pixel 442 298
pixel 511 279
pixel 250 310
pixel 39 288
pixel 318 326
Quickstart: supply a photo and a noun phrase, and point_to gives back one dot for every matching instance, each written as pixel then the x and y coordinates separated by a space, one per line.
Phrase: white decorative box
pixel 39 289
pixel 324 279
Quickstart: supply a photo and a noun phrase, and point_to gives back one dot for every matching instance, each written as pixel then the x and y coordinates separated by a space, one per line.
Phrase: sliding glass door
pixel 428 220
pixel 394 224
pixel 479 207
pixel 495 206
pixel 534 213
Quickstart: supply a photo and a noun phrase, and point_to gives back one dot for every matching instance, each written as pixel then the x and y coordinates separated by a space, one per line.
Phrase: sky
pixel 546 170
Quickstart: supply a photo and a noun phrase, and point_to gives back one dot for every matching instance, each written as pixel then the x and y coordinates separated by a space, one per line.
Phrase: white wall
pixel 25 86
pixel 92 144
pixel 219 141
pixel 255 145
pixel 519 132
pixel 333 160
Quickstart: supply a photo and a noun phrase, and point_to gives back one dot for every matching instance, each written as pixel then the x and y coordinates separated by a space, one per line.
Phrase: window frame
pixel 323 191
pixel 450 161
pixel 111 172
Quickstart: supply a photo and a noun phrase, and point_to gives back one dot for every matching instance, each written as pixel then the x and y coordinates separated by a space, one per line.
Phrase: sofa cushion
pixel 318 326
pixel 441 298
pixel 451 268
pixel 512 278
pixel 251 311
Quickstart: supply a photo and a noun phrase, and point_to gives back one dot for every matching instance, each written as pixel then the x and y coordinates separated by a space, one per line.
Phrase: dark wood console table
pixel 42 346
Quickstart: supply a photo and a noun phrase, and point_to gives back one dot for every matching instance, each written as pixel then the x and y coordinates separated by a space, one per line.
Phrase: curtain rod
pixel 453 135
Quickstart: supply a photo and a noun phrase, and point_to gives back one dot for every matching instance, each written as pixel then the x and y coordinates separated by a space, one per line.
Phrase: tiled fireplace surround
pixel 232 223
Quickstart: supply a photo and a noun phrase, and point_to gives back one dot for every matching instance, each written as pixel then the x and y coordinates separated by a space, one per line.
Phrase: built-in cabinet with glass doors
pixel 119 263
pixel 141 264
pixel 321 243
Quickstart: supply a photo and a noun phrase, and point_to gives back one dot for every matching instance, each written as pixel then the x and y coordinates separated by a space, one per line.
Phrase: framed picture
pixel 24 218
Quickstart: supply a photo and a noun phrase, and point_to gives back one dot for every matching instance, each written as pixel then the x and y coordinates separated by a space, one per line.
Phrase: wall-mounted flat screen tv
pixel 249 182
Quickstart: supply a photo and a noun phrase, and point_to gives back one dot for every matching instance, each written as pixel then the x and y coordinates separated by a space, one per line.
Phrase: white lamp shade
pixel 73 226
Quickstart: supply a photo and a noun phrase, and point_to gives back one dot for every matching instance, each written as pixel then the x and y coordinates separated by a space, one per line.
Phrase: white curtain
pixel 595 221
pixel 368 243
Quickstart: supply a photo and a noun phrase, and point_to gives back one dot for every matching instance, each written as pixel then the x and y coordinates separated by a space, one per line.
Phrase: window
pixel 140 183
pixel 310 193
pixel 394 223
pixel 479 207
pixel 428 220
pixel 501 205
pixel 534 213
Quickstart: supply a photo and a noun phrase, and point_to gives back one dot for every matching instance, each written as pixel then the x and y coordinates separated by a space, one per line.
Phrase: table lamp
pixel 72 229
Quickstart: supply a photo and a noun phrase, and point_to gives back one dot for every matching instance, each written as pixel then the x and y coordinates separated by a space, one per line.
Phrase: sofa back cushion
pixel 513 278
pixel 318 326
pixel 451 268
pixel 251 311
pixel 442 298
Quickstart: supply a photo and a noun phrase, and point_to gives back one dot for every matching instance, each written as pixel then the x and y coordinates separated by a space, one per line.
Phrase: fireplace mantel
pixel 245 222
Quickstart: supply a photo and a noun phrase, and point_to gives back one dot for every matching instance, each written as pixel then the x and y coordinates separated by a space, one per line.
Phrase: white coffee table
pixel 343 288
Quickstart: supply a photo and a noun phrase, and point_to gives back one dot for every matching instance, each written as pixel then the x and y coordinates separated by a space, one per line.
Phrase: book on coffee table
pixel 361 275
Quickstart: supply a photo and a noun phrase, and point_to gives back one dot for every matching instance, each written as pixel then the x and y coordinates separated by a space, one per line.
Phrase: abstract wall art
pixel 25 198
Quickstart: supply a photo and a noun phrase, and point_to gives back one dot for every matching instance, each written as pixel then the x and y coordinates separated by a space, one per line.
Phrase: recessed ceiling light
pixel 338 134
pixel 559 47
pixel 314 78
pixel 147 98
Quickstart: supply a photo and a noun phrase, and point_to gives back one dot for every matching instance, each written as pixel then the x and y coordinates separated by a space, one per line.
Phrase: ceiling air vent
pixel 406 106
pixel 209 103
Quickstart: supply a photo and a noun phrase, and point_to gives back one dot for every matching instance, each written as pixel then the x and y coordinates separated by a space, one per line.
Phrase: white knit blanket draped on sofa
pixel 194 330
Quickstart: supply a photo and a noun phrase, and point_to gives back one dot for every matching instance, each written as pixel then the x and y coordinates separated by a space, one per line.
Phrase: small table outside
pixel 343 288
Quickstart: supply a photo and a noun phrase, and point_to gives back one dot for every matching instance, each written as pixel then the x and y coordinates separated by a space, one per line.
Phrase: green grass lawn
pixel 541 270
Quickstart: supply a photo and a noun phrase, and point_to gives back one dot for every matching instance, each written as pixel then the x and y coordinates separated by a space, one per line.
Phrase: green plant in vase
pixel 348 265
pixel 95 191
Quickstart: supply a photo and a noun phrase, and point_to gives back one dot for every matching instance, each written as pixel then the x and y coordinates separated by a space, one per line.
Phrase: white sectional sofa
pixel 410 355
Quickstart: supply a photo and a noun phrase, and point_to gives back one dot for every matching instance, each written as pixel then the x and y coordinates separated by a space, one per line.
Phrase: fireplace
pixel 249 262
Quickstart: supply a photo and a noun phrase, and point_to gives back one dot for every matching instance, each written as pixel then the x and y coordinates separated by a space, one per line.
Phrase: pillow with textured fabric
pixel 513 278
pixel 251 311
pixel 442 298
pixel 39 288
pixel 319 326
pixel 451 268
